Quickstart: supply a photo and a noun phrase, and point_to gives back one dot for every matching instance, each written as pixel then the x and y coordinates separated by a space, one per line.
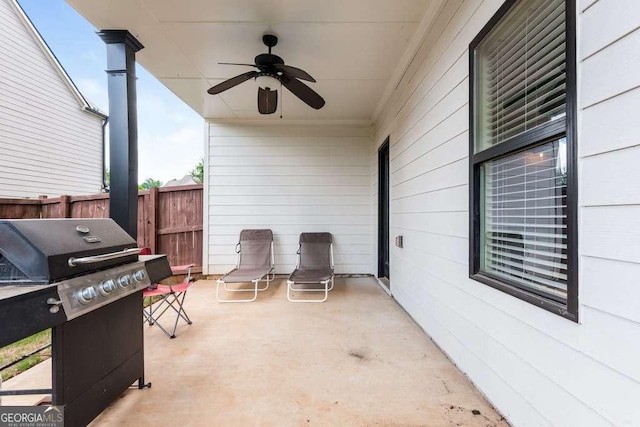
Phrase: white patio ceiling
pixel 354 48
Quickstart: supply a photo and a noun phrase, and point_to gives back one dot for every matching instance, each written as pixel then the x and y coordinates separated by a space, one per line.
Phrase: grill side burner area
pixel 82 278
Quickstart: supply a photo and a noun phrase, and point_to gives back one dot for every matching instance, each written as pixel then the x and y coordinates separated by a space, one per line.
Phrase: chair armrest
pixel 177 269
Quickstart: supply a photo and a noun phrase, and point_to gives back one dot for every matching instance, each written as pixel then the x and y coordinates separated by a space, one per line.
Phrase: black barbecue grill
pixel 82 278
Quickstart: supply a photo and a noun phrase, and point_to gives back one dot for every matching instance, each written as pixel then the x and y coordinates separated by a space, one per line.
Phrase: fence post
pixel 65 206
pixel 152 230
pixel 41 206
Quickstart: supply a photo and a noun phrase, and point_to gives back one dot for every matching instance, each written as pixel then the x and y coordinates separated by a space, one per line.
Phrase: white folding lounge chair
pixel 315 266
pixel 254 263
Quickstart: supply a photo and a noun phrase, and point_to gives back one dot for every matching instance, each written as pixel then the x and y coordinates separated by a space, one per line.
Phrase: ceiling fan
pixel 273 73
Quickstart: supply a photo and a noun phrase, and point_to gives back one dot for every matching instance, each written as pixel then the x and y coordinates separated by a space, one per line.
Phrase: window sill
pixel 545 304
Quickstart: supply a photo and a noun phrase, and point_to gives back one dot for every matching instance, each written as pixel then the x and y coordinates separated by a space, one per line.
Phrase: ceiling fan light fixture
pixel 266 81
pixel 272 74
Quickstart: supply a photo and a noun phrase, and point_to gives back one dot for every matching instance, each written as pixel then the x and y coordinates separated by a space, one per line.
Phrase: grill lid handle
pixel 104 257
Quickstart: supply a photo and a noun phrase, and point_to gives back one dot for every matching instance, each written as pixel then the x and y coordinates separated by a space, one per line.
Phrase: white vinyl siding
pixel 49 145
pixel 535 367
pixel 291 179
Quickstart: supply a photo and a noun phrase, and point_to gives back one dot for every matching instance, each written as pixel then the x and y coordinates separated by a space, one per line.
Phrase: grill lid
pixel 39 251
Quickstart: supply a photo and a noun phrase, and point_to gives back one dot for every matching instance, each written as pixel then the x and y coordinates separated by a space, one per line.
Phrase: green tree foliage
pixel 198 172
pixel 149 183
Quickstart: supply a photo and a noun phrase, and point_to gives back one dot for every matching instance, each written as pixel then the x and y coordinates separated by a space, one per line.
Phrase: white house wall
pixel 535 367
pixel 291 179
pixel 48 144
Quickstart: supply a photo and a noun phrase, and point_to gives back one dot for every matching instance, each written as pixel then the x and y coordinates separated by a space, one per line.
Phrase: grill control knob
pixel 86 295
pixel 107 287
pixel 124 281
pixel 139 276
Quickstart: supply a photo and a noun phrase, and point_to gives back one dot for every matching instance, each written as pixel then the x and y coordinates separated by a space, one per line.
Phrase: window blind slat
pixel 532 182
pixel 494 199
pixel 507 225
pixel 531 62
pixel 539 95
pixel 550 254
pixel 518 163
pixel 529 50
pixel 550 198
pixel 500 255
pixel 523 72
pixel 503 264
pixel 501 217
pixel 511 29
pixel 539 283
pixel 524 208
pixel 508 101
pixel 537 40
pixel 549 236
pixel 528 125
pixel 527 243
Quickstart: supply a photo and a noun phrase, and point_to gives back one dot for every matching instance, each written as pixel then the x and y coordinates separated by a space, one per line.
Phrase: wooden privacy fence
pixel 169 218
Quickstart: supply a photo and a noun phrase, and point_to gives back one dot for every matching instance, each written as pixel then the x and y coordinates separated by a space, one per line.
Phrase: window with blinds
pixel 524 219
pixel 523 234
pixel 522 72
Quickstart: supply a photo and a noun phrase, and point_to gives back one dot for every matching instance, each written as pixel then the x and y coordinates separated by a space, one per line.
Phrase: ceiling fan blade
pixel 234 81
pixel 294 72
pixel 234 63
pixel 304 92
pixel 267 101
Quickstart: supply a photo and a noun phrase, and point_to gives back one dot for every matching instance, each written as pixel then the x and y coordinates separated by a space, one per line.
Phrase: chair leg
pixel 181 312
pixel 175 325
pixel 325 290
pixel 153 319
pixel 168 299
pixel 148 315
pixel 226 288
pixel 150 311
pixel 165 331
pixel 254 290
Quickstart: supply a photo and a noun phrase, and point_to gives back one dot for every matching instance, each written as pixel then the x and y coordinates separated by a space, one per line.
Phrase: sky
pixel 170 133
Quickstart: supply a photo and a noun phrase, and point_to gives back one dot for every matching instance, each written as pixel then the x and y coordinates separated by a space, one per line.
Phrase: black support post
pixel 123 128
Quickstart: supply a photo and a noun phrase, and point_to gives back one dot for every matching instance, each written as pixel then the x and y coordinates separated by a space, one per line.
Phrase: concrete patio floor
pixel 357 359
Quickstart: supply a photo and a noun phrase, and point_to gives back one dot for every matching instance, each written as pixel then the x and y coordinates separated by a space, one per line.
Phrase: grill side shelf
pixel 157 266
pixel 26 312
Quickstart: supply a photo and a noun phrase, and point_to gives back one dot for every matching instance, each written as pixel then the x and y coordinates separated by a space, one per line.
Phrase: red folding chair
pixel 171 297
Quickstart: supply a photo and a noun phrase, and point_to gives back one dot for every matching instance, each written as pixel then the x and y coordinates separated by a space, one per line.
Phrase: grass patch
pixel 151 300
pixel 18 349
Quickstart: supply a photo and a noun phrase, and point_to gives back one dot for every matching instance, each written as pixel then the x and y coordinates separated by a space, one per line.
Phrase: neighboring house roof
pixel 185 180
pixel 84 103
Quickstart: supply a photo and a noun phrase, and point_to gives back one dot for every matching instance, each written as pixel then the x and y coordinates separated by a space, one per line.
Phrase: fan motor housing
pixel 268 59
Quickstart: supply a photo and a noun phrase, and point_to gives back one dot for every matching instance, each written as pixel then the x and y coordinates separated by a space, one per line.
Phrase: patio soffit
pixel 357 50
